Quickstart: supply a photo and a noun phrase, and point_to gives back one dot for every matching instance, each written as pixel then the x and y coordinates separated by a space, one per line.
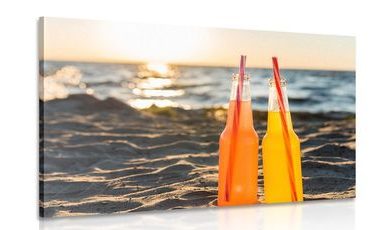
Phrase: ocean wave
pixel 195 87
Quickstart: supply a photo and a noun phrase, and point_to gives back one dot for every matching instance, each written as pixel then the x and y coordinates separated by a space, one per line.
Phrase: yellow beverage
pixel 278 186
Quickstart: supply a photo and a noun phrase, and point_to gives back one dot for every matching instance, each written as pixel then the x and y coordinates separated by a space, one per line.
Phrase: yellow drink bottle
pixel 279 182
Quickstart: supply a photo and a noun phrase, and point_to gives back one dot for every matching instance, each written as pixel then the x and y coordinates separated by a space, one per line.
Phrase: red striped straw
pixel 235 125
pixel 285 128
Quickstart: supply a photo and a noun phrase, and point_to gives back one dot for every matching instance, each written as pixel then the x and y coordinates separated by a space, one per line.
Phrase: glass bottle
pixel 280 183
pixel 238 151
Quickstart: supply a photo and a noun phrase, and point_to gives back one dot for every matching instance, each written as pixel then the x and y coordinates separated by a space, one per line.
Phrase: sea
pixel 192 87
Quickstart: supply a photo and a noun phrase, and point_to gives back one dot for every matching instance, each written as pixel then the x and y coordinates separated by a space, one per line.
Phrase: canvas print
pixel 140 117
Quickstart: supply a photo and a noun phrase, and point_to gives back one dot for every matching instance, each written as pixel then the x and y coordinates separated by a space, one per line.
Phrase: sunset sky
pixel 100 41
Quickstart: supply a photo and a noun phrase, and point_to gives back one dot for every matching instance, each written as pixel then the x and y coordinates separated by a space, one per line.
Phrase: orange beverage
pixel 238 153
pixel 279 182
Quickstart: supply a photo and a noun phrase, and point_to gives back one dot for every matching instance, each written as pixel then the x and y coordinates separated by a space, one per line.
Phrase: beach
pixel 101 156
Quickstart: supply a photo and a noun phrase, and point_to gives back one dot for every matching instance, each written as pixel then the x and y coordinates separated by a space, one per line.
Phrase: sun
pixel 160 68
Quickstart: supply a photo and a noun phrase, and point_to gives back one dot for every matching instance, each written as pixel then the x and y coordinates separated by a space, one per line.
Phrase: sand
pixel 105 157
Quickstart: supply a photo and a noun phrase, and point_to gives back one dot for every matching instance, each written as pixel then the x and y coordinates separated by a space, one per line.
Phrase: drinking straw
pixel 241 78
pixel 285 127
pixel 235 126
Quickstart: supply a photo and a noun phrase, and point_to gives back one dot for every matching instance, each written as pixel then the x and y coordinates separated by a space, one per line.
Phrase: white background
pixel 18 108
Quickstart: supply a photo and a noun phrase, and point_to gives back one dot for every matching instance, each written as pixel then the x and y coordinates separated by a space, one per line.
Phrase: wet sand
pixel 105 157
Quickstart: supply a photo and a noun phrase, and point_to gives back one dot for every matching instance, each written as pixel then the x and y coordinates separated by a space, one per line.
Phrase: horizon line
pixel 108 61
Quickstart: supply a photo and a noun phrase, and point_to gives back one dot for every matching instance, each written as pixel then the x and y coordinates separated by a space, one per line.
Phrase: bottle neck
pixel 244 110
pixel 243 90
pixel 273 103
pixel 274 116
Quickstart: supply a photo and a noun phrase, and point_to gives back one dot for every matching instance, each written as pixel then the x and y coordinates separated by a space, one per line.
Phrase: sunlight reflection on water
pixel 154 85
pixel 55 86
pixel 143 85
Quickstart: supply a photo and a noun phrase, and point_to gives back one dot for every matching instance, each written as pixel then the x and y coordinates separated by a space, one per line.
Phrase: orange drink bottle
pixel 238 151
pixel 281 152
